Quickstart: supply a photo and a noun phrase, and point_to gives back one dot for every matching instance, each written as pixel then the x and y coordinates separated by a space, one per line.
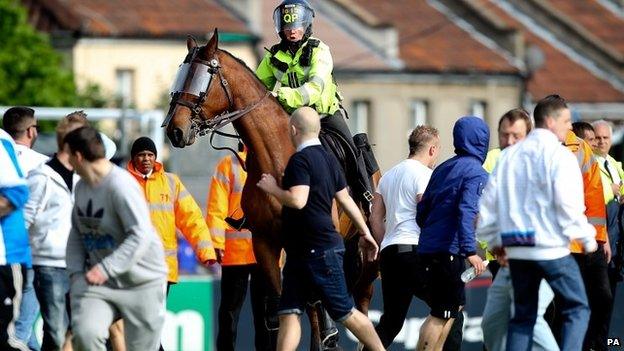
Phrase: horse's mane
pixel 245 66
pixel 253 74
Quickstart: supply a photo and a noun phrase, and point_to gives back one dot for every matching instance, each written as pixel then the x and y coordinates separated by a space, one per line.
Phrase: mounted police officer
pixel 298 70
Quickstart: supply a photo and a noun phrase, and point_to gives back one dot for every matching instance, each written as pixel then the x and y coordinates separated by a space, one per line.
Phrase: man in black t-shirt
pixel 314 249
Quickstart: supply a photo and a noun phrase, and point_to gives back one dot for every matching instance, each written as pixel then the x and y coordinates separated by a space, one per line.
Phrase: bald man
pixel 314 250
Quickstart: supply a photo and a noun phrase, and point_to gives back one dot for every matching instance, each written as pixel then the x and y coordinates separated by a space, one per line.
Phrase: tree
pixel 31 72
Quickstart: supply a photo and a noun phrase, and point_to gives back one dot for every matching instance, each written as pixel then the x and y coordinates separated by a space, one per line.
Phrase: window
pixel 125 87
pixel 418 113
pixel 358 117
pixel 478 108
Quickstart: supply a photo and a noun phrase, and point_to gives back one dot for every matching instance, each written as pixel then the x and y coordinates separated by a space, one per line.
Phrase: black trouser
pixel 596 278
pixel 594 271
pixel 11 281
pixel 455 336
pixel 234 281
pixel 401 280
pixel 336 123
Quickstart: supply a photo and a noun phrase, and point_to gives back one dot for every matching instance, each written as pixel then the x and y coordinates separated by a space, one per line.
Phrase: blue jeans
pixel 29 309
pixel 52 285
pixel 498 311
pixel 565 279
pixel 321 274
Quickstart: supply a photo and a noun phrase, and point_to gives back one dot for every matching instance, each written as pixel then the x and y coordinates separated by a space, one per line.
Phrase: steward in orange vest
pixel 235 253
pixel 224 201
pixel 171 206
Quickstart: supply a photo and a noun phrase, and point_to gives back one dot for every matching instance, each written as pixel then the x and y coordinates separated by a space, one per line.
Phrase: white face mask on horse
pixel 192 78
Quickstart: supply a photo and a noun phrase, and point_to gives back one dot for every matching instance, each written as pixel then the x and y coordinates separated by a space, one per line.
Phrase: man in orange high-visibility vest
pixel 234 250
pixel 171 206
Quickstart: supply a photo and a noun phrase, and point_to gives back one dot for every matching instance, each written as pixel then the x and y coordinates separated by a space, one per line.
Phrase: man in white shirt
pixel 21 124
pixel 530 209
pixel 395 202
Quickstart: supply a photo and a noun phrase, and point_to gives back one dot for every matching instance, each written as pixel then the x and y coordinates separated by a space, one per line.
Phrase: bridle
pixel 200 123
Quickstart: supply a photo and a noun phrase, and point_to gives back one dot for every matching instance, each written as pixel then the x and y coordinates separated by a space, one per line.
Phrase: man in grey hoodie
pixel 48 220
pixel 115 260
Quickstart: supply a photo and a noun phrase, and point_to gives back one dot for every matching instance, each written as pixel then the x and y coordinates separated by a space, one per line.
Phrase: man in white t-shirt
pixel 395 202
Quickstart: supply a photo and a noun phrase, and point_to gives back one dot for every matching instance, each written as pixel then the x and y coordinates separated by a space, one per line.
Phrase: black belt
pixel 400 248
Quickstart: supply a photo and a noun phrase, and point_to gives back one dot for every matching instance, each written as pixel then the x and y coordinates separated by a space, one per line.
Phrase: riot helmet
pixel 292 14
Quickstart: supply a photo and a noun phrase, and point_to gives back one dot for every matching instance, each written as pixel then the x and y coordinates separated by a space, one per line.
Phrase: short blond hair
pixel 420 137
pixel 70 122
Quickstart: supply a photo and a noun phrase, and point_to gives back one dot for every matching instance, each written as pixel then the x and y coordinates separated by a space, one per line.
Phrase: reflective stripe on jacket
pixel 311 85
pixel 172 206
pixel 592 188
pixel 224 200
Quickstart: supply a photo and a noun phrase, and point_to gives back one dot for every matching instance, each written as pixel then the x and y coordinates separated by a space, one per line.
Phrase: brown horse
pixel 262 124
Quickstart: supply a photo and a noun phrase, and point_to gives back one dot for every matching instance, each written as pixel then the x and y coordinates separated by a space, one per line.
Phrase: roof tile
pixel 560 74
pixel 156 18
pixel 430 41
pixel 596 18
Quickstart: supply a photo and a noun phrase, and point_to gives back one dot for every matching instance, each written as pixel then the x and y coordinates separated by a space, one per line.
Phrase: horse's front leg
pixel 363 288
pixel 267 255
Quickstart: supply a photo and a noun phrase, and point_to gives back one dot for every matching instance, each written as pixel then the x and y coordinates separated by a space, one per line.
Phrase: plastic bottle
pixel 469 274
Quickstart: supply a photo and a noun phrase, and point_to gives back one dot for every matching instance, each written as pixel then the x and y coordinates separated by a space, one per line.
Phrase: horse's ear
pixel 213 43
pixel 191 43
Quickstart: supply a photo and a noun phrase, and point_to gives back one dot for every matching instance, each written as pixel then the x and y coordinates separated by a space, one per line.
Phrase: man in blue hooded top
pixel 447 216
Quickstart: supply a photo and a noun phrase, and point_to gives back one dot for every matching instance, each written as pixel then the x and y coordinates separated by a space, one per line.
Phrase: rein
pixel 228 135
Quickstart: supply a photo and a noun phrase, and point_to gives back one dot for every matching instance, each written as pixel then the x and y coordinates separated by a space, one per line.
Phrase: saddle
pixel 336 144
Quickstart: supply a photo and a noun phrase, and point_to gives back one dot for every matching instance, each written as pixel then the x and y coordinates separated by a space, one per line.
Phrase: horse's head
pixel 199 93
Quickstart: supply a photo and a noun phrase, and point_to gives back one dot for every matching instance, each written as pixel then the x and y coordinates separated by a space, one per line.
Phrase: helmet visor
pixel 292 16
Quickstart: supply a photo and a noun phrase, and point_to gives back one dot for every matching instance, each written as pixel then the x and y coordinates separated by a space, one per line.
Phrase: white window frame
pixel 359 116
pixel 125 86
pixel 419 113
pixel 479 108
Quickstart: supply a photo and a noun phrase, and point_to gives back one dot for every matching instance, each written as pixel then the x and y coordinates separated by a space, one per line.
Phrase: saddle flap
pixel 335 144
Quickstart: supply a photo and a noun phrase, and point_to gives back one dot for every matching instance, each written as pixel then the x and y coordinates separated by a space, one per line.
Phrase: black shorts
pixel 443 277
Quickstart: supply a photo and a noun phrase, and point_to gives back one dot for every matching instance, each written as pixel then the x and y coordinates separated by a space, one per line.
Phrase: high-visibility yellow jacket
pixel 491 159
pixel 302 85
pixel 595 209
pixel 172 206
pixel 607 178
pixel 224 200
